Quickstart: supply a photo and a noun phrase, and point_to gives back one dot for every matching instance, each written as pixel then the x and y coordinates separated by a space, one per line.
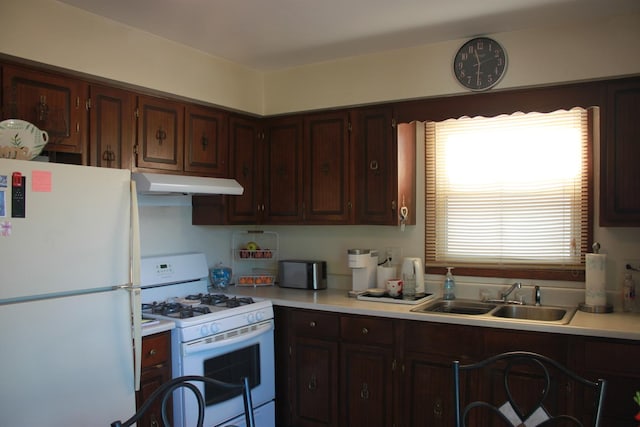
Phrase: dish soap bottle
pixel 449 290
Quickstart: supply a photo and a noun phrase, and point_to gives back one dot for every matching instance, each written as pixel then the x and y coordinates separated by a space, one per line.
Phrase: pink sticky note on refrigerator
pixel 41 181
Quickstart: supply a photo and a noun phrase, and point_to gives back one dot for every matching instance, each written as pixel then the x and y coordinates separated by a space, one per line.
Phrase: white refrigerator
pixel 69 295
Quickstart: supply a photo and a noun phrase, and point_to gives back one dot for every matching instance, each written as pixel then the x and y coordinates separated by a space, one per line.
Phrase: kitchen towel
pixel 596 275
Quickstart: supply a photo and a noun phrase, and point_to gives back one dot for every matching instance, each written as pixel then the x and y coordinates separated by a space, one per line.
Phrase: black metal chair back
pixel 524 389
pixel 165 390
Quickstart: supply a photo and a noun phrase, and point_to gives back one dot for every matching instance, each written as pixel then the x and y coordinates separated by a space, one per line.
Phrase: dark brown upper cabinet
pixel 112 123
pixel 384 168
pixel 326 189
pixel 206 141
pixel 53 102
pixel 160 143
pixel 619 156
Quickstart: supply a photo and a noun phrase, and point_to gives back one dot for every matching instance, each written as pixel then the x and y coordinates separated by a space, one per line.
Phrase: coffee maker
pixel 363 264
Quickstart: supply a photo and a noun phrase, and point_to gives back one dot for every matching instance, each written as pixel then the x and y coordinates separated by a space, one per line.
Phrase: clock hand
pixel 478 68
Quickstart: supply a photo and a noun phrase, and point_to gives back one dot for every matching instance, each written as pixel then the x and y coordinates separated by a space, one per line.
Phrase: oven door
pixel 244 352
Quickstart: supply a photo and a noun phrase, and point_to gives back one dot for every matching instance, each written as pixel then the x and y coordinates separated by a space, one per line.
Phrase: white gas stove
pixel 216 335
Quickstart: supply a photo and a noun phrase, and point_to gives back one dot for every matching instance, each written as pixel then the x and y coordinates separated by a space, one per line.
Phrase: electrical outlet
pixel 395 254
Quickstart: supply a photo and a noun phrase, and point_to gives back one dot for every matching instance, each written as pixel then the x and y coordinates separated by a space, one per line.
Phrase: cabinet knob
pixel 153 352
pixel 365 331
pixel 364 391
pixel 312 324
pixel 313 383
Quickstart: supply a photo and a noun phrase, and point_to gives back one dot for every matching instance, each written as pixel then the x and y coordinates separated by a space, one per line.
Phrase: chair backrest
pixel 524 389
pixel 165 390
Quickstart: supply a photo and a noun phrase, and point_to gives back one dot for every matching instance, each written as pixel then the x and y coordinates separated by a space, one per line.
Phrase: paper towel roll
pixel 596 275
pixel 384 274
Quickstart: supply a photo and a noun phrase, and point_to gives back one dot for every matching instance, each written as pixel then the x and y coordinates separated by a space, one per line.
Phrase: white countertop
pixel 156 328
pixel 609 325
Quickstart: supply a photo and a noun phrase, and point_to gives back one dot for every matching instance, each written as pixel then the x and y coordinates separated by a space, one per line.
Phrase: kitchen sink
pixel 526 313
pixel 536 313
pixel 456 307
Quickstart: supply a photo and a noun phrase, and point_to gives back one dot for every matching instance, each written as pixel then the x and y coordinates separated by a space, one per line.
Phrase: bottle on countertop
pixel 628 293
pixel 449 289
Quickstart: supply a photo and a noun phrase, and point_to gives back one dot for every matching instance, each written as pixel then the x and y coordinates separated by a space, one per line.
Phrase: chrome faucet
pixel 513 287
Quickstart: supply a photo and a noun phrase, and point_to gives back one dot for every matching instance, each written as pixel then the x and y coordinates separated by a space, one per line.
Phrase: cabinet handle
pixel 42 109
pixel 205 142
pixel 373 165
pixel 153 352
pixel 437 408
pixel 364 391
pixel 313 383
pixel 365 331
pixel 161 135
pixel 312 324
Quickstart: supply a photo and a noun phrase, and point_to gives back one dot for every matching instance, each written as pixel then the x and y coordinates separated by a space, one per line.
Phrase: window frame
pixel 493 103
pixel 529 271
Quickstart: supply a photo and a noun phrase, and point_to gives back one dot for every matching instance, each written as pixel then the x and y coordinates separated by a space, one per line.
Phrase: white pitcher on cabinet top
pixel 414 266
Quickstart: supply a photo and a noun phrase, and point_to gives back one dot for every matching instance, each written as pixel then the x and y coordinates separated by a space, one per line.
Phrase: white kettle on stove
pixel 414 266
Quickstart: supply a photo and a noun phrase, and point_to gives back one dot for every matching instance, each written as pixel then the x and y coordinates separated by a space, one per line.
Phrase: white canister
pixel 384 274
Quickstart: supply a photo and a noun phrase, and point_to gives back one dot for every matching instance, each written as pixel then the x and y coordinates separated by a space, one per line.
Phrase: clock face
pixel 480 63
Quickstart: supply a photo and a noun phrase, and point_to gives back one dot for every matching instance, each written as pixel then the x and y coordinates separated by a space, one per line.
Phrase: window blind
pixel 508 190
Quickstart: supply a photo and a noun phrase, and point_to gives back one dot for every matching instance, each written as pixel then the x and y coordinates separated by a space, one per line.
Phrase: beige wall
pixel 535 57
pixel 55 33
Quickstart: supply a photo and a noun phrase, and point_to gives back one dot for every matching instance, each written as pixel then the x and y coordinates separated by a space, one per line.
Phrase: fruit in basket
pixel 245 280
pixel 252 246
pixel 266 253
pixel 244 253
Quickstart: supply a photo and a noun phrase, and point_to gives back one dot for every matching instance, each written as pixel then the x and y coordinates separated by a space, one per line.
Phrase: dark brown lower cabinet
pixel 156 370
pixel 377 371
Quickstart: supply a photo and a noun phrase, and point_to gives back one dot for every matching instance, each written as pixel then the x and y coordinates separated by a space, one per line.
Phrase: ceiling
pixel 276 34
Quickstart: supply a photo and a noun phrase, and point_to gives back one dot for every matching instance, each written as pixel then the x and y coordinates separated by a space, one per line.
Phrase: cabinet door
pixel 375 167
pixel 112 121
pixel 245 163
pixel 367 384
pixel 160 142
pixel 326 166
pixel 206 142
pixel 616 362
pixel 315 382
pixel 283 171
pixel 620 151
pixel 428 391
pixel 150 380
pixel 53 103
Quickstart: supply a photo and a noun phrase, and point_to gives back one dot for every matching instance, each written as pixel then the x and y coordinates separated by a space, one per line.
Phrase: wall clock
pixel 480 63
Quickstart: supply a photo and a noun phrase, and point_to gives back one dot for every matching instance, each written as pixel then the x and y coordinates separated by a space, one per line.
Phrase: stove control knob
pixel 259 316
pixel 214 328
pixel 251 317
pixel 204 330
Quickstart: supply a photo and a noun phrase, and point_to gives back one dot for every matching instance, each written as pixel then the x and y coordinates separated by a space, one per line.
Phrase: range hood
pixel 158 184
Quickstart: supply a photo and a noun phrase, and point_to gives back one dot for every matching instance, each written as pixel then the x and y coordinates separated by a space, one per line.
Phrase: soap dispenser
pixel 449 290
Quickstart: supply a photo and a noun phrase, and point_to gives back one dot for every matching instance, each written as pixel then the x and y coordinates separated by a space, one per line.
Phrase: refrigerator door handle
pixel 136 302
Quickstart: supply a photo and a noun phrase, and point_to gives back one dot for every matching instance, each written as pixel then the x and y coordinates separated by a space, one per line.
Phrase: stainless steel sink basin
pixel 456 307
pixel 520 313
pixel 536 313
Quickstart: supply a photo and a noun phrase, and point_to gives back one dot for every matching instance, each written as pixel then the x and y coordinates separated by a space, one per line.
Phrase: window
pixel 509 192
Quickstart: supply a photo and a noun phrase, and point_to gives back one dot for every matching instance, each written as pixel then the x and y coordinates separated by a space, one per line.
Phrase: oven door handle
pixel 207 344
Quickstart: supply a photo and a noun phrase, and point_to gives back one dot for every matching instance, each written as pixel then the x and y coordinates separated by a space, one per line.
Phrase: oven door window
pixel 230 368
